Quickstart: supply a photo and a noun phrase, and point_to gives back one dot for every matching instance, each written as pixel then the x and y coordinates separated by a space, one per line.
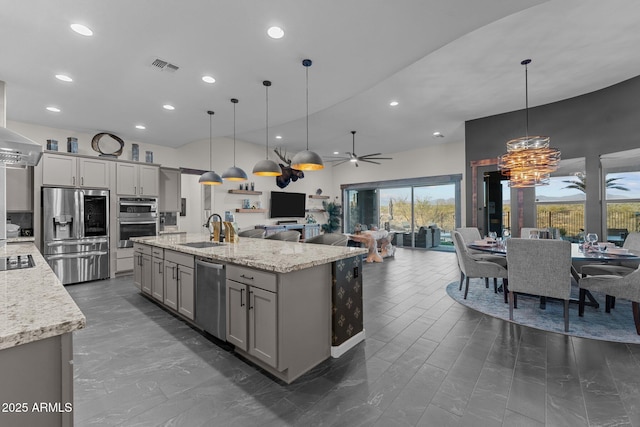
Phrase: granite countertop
pixel 265 254
pixel 22 239
pixel 34 305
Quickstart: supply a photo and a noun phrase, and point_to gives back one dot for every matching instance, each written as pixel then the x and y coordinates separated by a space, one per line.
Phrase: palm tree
pixel 581 184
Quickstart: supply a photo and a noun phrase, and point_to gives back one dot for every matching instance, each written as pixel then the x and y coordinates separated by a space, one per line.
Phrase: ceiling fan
pixel 354 158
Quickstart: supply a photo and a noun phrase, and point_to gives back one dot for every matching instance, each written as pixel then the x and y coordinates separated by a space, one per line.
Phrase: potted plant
pixel 334 211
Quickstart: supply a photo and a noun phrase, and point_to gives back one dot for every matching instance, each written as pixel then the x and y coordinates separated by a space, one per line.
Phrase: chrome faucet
pixel 208 223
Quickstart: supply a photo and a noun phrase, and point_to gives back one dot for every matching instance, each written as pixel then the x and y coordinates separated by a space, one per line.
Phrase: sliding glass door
pixel 421 213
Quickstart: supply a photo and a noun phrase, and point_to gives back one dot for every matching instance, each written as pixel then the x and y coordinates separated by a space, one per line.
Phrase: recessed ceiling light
pixel 275 32
pixel 64 78
pixel 336 152
pixel 394 103
pixel 82 29
pixel 168 107
pixel 278 136
pixel 208 79
pixel 141 127
pixel 53 109
pixel 438 135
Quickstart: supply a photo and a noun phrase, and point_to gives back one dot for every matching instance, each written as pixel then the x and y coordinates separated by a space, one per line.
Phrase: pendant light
pixel 267 167
pixel 307 160
pixel 210 178
pixel 529 160
pixel 234 173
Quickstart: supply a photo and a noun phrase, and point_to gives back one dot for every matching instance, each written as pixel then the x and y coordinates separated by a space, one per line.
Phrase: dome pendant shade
pixel 267 168
pixel 307 161
pixel 210 178
pixel 234 174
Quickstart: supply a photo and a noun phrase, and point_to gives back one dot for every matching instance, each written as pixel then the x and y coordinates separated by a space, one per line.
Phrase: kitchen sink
pixel 201 245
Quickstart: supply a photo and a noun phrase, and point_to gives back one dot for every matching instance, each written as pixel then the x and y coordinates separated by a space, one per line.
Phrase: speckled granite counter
pixel 264 254
pixel 34 305
pixel 22 239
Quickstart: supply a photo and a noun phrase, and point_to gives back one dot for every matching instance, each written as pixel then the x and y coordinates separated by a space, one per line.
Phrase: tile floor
pixel 427 361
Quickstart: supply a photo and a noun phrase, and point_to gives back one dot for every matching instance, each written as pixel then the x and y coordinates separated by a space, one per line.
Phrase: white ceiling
pixel 444 61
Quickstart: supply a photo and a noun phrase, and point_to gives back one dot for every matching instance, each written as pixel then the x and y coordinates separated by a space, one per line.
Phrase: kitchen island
pixel 37 318
pixel 282 305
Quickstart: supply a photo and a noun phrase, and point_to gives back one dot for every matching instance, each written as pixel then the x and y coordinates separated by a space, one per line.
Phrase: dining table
pixel 581 254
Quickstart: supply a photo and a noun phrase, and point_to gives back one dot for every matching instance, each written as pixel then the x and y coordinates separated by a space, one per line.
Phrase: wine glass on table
pixel 592 239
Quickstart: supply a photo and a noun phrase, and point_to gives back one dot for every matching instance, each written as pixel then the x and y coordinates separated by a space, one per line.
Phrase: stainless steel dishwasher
pixel 211 298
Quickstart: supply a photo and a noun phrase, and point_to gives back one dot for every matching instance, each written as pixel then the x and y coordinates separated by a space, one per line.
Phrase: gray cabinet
pixel 180 283
pixel 142 271
pixel 252 303
pixel 73 171
pixel 136 179
pixel 170 190
pixel 20 189
pixel 157 274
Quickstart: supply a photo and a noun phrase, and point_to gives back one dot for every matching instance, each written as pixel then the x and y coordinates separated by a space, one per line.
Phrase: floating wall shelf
pixel 315 210
pixel 315 196
pixel 251 210
pixel 254 193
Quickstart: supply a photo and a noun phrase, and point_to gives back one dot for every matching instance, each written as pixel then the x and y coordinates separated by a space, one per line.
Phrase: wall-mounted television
pixel 287 205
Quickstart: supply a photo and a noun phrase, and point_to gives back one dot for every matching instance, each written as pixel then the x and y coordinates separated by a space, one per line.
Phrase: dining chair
pixel 472 268
pixel 288 236
pixel 540 267
pixel 525 232
pixel 333 239
pixel 627 287
pixel 471 234
pixel 254 233
pixel 632 242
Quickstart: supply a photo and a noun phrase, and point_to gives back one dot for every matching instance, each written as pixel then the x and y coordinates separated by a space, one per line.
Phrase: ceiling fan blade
pixel 340 162
pixel 369 161
pixel 336 159
pixel 373 154
pixel 377 158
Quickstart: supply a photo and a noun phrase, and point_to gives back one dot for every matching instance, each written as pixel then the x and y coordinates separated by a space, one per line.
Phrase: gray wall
pixel 601 122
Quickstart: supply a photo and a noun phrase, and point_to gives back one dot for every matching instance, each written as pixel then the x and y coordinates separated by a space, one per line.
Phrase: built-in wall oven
pixel 137 217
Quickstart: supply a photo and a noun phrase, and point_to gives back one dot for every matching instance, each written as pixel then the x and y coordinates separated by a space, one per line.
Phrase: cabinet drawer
pixel 157 252
pixel 250 276
pixel 179 258
pixel 142 249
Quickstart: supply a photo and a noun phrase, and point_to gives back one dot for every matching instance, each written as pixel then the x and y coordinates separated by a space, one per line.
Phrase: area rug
pixel 616 326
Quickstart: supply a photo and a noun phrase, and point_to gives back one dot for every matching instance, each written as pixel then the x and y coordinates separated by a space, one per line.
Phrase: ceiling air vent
pixel 164 65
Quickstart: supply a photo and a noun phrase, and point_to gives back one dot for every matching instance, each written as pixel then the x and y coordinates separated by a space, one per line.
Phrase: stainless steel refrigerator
pixel 75 230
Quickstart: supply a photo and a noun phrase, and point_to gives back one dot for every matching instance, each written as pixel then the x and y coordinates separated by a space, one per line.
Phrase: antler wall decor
pixel 288 174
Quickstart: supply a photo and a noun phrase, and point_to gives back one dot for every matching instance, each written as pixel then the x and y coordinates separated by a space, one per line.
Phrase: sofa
pixel 426 237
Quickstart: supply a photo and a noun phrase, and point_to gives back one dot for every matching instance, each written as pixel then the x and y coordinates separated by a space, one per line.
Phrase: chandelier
pixel 529 160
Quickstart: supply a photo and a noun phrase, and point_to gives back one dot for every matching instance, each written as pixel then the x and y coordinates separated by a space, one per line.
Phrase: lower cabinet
pixel 157 274
pixel 142 273
pixel 179 283
pixel 252 313
pixel 167 276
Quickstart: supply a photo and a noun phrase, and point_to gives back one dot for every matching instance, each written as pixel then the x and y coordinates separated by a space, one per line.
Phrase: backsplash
pixel 23 219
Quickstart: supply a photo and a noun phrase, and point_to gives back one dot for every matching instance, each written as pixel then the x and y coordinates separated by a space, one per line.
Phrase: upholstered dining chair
pixel 333 239
pixel 525 232
pixel 254 233
pixel 540 267
pixel 632 242
pixel 627 287
pixel 471 234
pixel 288 236
pixel 471 267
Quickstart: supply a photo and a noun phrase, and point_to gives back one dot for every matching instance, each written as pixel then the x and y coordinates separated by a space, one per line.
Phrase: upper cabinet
pixel 20 189
pixel 169 199
pixel 71 171
pixel 133 179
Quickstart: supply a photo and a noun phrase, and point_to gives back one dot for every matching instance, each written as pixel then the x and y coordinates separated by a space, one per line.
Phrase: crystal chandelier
pixel 529 160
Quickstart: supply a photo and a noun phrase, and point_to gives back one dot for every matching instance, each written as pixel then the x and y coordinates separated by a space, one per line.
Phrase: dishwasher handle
pixel 209 264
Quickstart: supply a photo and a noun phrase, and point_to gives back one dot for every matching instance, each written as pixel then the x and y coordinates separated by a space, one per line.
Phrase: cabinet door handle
pixel 246 277
pixel 241 297
pixel 251 300
pixel 178 274
pixel 173 272
pixel 141 190
pixel 82 180
pixel 73 180
pixel 160 267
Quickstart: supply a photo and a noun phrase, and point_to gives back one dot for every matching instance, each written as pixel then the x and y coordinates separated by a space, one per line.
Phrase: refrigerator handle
pixel 79 224
pixel 76 255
